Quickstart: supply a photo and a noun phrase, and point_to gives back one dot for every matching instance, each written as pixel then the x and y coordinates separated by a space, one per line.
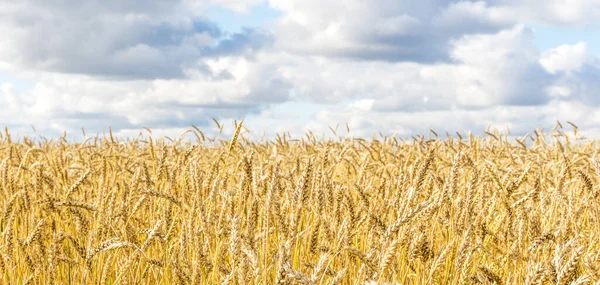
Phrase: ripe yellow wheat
pixel 478 210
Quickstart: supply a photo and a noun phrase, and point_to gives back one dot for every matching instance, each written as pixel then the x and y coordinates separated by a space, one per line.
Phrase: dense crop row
pixel 440 211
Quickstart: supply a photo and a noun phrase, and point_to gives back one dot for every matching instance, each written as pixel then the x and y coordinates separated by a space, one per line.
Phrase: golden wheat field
pixel 456 210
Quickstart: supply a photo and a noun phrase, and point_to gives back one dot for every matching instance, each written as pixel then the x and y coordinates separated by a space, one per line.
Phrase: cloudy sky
pixel 395 67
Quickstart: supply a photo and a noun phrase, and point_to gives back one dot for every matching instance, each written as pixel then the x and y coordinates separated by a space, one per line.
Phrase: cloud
pixel 133 40
pixel 565 58
pixel 576 73
pixel 501 69
pixel 158 63
pixel 581 86
pixel 486 70
pixel 392 66
pixel 519 120
pixel 245 43
pixel 382 30
pixel 466 17
pixel 240 6
pixel 409 31
pixel 75 101
pixel 498 79
pixel 551 12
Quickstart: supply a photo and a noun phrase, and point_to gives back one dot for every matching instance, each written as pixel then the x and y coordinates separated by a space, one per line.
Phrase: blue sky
pixel 233 22
pixel 19 84
pixel 393 67
pixel 550 37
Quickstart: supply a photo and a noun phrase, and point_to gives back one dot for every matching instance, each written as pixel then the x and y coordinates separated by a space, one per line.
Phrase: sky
pixel 379 66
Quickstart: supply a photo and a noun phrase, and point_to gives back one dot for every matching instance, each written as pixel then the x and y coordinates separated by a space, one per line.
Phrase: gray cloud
pixel 484 70
pixel 383 30
pixel 394 66
pixel 245 43
pixel 575 73
pixel 128 40
pixel 582 85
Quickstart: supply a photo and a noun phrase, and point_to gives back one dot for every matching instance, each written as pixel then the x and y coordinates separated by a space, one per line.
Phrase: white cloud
pixel 471 16
pixel 382 30
pixel 565 58
pixel 559 91
pixel 239 6
pixel 550 12
pixel 501 68
pixel 362 104
pixel 576 73
pixel 137 39
pixel 488 70
pixel 81 100
pixel 391 66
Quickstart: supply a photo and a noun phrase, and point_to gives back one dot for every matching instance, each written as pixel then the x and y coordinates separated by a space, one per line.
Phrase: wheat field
pixel 456 210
